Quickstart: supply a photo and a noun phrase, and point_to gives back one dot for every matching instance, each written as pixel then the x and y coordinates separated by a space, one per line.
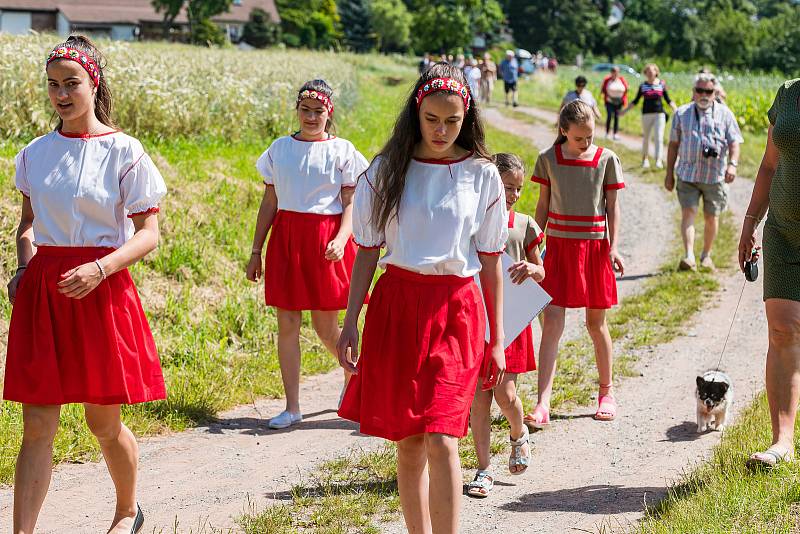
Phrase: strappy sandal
pixel 769 459
pixel 517 458
pixel 606 408
pixel 539 419
pixel 481 485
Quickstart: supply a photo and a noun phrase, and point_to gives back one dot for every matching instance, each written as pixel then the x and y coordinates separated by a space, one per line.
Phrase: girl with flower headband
pixel 309 181
pixel 434 200
pixel 90 197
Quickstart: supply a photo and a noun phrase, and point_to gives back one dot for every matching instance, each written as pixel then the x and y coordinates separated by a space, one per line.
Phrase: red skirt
pixel 579 273
pixel 420 356
pixel 296 274
pixel 97 350
pixel 519 355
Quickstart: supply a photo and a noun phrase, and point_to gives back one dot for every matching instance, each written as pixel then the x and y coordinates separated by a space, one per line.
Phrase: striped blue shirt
pixel 693 128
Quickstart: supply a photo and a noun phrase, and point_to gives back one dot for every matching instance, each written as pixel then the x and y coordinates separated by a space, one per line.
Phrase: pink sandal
pixel 606 408
pixel 539 419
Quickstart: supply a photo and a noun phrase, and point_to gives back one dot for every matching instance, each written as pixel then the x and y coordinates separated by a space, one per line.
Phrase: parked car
pixel 624 69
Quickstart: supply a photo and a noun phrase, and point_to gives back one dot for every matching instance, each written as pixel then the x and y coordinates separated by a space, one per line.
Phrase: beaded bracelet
pixel 756 219
pixel 102 271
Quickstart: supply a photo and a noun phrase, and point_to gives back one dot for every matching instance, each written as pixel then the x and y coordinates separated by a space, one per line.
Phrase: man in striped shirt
pixel 705 142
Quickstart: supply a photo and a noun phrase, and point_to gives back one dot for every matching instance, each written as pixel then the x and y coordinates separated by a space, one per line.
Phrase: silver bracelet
pixel 102 271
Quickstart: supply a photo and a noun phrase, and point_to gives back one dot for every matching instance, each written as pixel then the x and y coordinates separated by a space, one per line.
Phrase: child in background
pixel 310 177
pixel 579 185
pixel 524 237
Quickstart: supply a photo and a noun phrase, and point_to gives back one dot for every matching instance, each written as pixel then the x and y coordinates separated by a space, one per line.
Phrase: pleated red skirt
pixel 420 356
pixel 296 274
pixel 519 354
pixel 61 350
pixel 579 273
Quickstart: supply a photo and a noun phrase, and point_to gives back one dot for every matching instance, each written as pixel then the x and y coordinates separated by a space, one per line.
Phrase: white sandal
pixel 481 485
pixel 769 459
pixel 517 459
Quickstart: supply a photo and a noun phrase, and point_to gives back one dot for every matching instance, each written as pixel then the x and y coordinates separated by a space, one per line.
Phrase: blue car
pixel 624 69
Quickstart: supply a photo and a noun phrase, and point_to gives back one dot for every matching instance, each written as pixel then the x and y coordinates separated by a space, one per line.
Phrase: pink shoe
pixel 539 419
pixel 606 408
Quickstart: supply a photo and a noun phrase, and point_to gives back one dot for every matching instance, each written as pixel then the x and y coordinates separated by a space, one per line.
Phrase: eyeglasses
pixel 702 91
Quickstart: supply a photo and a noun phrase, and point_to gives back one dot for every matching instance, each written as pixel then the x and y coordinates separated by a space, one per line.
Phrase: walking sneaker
pixel 687 264
pixel 646 164
pixel 285 419
pixel 616 137
pixel 706 263
pixel 659 164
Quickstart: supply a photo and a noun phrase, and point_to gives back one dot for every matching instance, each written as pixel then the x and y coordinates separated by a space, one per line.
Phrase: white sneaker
pixel 285 419
pixel 616 137
pixel 646 164
pixel 659 165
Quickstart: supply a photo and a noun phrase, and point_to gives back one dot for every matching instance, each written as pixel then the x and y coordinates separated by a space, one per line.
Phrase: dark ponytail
pixel 103 102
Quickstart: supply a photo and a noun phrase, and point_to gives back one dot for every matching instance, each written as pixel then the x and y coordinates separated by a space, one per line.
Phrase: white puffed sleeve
pixel 365 233
pixel 142 187
pixel 492 231
pixel 353 165
pixel 21 176
pixel 266 167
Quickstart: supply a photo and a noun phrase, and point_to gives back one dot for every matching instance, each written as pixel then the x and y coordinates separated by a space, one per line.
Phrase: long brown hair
pixel 398 151
pixel 103 102
pixel 576 112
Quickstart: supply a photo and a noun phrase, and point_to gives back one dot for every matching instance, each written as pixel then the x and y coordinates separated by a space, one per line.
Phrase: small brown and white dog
pixel 714 399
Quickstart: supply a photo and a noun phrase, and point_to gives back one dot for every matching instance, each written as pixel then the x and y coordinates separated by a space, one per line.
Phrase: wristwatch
pixel 733 162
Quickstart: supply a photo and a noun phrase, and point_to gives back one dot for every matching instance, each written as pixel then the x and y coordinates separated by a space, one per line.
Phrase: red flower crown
pixel 316 95
pixel 450 85
pixel 73 54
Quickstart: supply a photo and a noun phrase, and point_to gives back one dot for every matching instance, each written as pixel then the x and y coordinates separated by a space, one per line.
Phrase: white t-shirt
pixel 309 175
pixel 83 190
pixel 473 75
pixel 615 88
pixel 449 213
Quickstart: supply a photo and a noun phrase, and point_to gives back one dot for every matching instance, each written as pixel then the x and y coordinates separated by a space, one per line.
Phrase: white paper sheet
pixel 521 302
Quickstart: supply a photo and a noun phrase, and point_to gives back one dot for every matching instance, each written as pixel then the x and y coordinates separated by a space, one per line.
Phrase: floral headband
pixel 444 84
pixel 73 54
pixel 316 95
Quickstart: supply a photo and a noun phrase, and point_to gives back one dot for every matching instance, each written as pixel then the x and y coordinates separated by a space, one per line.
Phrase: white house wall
pixel 63 25
pixel 15 22
pixel 122 32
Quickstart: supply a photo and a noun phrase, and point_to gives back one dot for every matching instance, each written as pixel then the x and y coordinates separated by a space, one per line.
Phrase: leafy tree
pixel 633 35
pixel 391 22
pixel 779 41
pixel 171 10
pixel 260 31
pixel 356 25
pixel 448 25
pixel 199 12
pixel 311 23
pixel 206 32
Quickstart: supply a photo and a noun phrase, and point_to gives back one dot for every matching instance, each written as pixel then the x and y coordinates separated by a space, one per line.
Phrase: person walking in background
pixel 509 70
pixel 581 93
pixel 615 95
pixel 309 179
pixel 654 118
pixel 473 74
pixel 777 189
pixel 704 141
pixel 488 76
pixel 425 64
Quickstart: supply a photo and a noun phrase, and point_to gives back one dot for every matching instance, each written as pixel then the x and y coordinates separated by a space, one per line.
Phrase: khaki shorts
pixel 715 196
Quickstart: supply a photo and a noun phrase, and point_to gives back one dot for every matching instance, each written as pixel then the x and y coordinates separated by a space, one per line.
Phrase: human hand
pixel 616 261
pixel 80 281
pixel 669 182
pixel 12 285
pixel 335 250
pixel 747 241
pixel 730 174
pixel 254 268
pixel 347 348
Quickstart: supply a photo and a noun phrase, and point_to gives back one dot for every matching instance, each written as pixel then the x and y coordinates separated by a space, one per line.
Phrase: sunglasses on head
pixel 702 91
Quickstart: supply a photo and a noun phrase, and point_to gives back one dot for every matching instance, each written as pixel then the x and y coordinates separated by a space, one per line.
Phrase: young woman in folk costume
pixel 434 200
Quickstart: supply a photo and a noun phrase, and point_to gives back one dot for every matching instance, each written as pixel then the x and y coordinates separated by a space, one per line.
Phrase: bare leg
pixel 121 453
pixel 601 339
pixel 552 329
pixel 445 482
pixel 289 355
pixel 511 406
pixel 687 230
pixel 413 484
pixel 709 233
pixel 480 423
pixel 34 464
pixel 783 369
pixel 326 325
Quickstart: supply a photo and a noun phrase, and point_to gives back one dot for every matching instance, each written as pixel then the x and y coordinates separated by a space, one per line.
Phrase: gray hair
pixel 705 77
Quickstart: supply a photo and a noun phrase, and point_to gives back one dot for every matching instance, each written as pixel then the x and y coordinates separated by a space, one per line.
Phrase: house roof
pixel 130 11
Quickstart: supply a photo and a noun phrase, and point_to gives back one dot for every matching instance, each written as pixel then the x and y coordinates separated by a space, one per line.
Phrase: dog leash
pixel 750 275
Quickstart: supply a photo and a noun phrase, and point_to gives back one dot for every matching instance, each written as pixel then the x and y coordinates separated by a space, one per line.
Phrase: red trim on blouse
pixel 85 135
pixel 611 187
pixel 329 138
pixel 511 219
pixel 578 162
pixel 567 228
pixel 444 161
pixel 535 242
pixel 348 186
pixel 493 203
pixel 365 247
pixel 490 253
pixel 576 218
pixel 538 180
pixel 131 168
pixel 145 212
